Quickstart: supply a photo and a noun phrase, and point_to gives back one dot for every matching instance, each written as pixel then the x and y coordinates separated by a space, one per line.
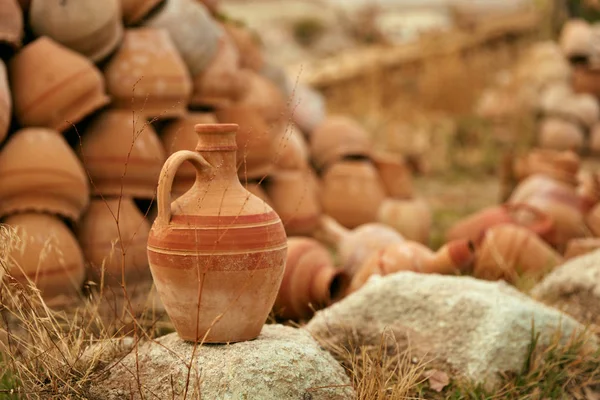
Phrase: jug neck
pixel 217 144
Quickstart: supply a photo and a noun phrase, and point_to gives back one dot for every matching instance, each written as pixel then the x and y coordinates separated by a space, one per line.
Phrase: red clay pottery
pixel 113 234
pixel 559 165
pixel 559 134
pixel 265 98
pixel 452 258
pixel 247 44
pixel 48 255
pixel 412 218
pixel 594 140
pixel 122 154
pixel 352 192
pixel 592 220
pixel 217 253
pixel 292 150
pixel 90 27
pixel 474 226
pixel 355 246
pixel 395 174
pixel 11 24
pixel 256 189
pixel 509 251
pixel 133 11
pixel 338 137
pixel 148 76
pixel 311 281
pixel 40 172
pixel 5 102
pixel 575 39
pixel 180 135
pixel 588 189
pixel 586 80
pixel 307 108
pixel 54 86
pixel 295 198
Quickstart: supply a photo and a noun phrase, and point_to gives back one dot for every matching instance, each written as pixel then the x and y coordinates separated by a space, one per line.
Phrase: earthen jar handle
pixel 167 175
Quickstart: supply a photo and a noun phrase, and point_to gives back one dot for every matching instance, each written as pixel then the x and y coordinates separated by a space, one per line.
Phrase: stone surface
pixel 282 363
pixel 470 328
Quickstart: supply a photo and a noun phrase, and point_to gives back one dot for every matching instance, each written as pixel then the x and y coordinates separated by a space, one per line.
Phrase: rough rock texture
pixel 473 329
pixel 282 363
pixel 574 288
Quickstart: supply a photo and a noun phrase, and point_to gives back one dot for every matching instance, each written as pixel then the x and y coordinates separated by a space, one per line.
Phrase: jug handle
pixel 167 175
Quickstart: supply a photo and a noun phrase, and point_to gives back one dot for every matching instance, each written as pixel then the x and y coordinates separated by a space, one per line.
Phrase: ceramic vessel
pixel 113 234
pixel 559 134
pixel 5 102
pixel 352 192
pixel 147 75
pixel 575 39
pixel 48 255
pixel 560 165
pixel 586 80
pixel 247 44
pixel 311 281
pixel 11 24
pixel 134 11
pixel 594 140
pixel 561 101
pixel 256 188
pixel 265 98
pixel 292 150
pixel 412 218
pixel 122 155
pixel 592 220
pixel 90 27
pixel 217 253
pixel 40 172
pixel 54 86
pixel 395 174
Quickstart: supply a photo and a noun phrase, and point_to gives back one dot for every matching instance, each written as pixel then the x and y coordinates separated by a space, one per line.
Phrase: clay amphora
pixel 581 246
pixel 122 155
pixel 147 75
pixel 559 165
pixel 48 254
pixel 338 137
pixel 113 234
pixel 453 258
pixel 356 245
pixel 395 174
pixel 559 134
pixel 217 253
pixel 40 172
pixel 54 86
pixel 575 39
pixel 586 80
pixel 311 281
pixel 5 102
pixel 412 218
pixel 352 192
pixel 90 27
pixel 295 198
pixel 247 44
pixel 292 150
pixel 134 11
pixel 509 251
pixel 11 24
pixel 179 135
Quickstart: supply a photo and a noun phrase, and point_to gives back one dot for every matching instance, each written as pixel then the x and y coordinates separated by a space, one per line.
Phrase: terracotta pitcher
pixel 562 165
pixel 217 253
pixel 134 11
pixel 395 174
pixel 580 246
pixel 311 281
pixel 5 102
pixel 11 24
pixel 560 134
pixel 412 218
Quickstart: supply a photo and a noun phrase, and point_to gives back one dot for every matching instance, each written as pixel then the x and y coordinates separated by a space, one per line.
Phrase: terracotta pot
pixel 295 198
pixel 559 134
pixel 510 251
pixel 581 246
pixel 560 165
pixel 559 100
pixel 452 258
pixel 54 86
pixel 192 29
pixel 474 226
pixel 113 234
pixel 148 76
pixel 311 282
pixel 5 102
pixel 575 39
pixel 355 246
pixel 395 174
pixel 352 192
pixel 412 218
pixel 122 156
pixel 308 108
pixel 217 254
pixel 256 142
pixel 179 135
pixel 338 137
pixel 247 44
pixel 292 150
pixel 48 255
pixel 265 98
pixel 592 220
pixel 586 80
pixel 90 27
pixel 134 11
pixel 40 172
pixel 11 24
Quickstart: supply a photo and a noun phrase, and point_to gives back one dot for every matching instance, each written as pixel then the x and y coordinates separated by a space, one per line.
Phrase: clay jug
pixel 113 234
pixel 581 246
pixel 11 24
pixel 54 86
pixel 47 254
pixel 575 39
pixel 586 80
pixel 90 27
pixel 134 11
pixel 395 174
pixel 295 198
pixel 180 135
pixel 412 218
pixel 148 76
pixel 453 258
pixel 509 251
pixel 40 172
pixel 292 150
pixel 217 253
pixel 338 137
pixel 556 164
pixel 247 44
pixel 559 134
pixel 5 102
pixel 122 156
pixel 352 192
pixel 592 220
pixel 474 226
pixel 311 281
pixel 355 246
